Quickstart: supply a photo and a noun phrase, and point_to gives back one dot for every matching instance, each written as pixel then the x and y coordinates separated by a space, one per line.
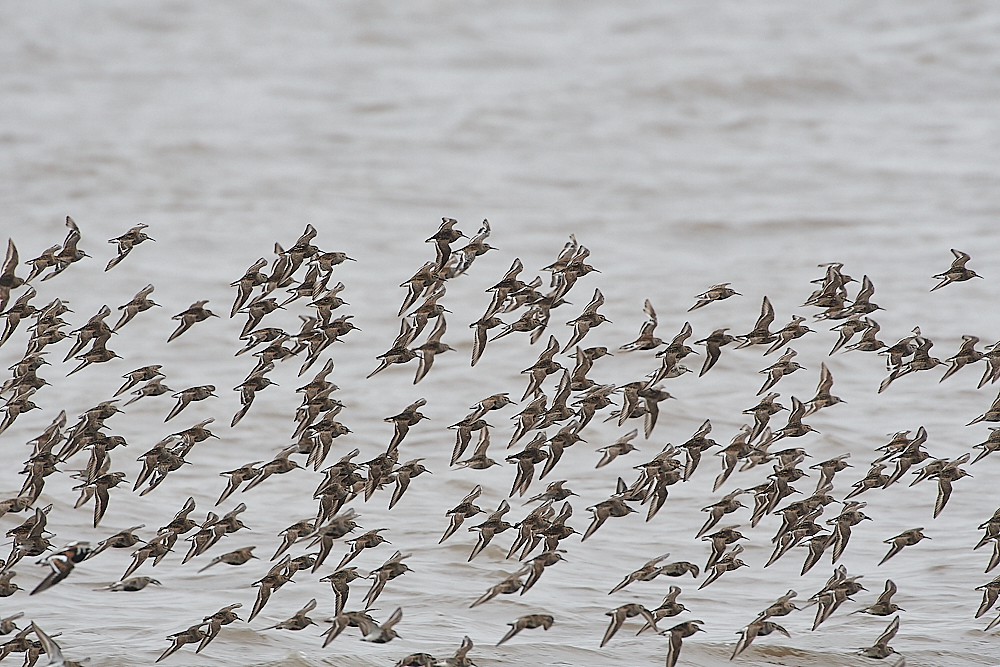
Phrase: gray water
pixel 686 144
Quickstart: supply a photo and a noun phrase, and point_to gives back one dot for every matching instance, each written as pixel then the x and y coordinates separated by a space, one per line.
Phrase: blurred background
pixel 686 144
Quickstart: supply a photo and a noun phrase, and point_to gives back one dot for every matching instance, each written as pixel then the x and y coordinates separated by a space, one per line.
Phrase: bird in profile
pixel 508 586
pixel 19 311
pixel 783 606
pixel 188 318
pixel 754 630
pixel 848 329
pixel 720 540
pixel 957 272
pixel 237 557
pixel 39 264
pixel 795 428
pixel 8 623
pixel 479 459
pixel 881 649
pixel 188 396
pixel 728 504
pixel 126 242
pixel 784 366
pixel 179 639
pixel 667 609
pixel 488 529
pixel 905 539
pixel 991 415
pixel 990 445
pixel 875 479
pixel 385 633
pixel 645 573
pixel 8 280
pixel 432 347
pixel 389 570
pixel 462 511
pixel 619 447
pixel 224 616
pixel 529 622
pixel 245 285
pixel 620 614
pixel 62 563
pixel 144 374
pixel 131 585
pixel 727 563
pixel 276 577
pixel 791 331
pixel 399 353
pixel 823 397
pixel 695 447
pixel 677 633
pixel 948 474
pixel 967 354
pixel 299 621
pixel 613 507
pixel 714 293
pixel 992 372
pixel 536 567
pixel 646 340
pixel 837 589
pixel 884 606
pixel 8 587
pixel 69 253
pixel 351 619
pixel 761 334
pixel 256 310
pixel 587 320
pixel 713 345
pixel 460 657
pixel 991 591
pixel 850 515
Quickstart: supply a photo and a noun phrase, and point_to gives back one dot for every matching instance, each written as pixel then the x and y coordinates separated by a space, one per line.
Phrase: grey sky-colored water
pixel 685 144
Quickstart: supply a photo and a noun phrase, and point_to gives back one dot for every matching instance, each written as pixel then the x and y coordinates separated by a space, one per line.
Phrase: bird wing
pixel 746 638
pixel 944 493
pixel 673 649
pixel 890 632
pixel 617 619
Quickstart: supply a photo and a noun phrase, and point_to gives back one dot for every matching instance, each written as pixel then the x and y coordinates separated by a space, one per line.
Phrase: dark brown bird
pixel 714 293
pixel 677 633
pixel 299 621
pixel 399 353
pixel 126 242
pixel 238 557
pixel 432 347
pixel 754 630
pixel 761 334
pixel 194 314
pixel 613 507
pixel 957 272
pixel 713 346
pixel 789 332
pixel 224 616
pixel 884 605
pixel 881 649
pixel 528 622
pixel 189 395
pixel 587 320
pixel 618 616
pixel 9 281
pixel 463 510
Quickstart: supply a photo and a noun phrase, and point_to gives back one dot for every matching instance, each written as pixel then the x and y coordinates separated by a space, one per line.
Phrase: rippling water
pixel 686 144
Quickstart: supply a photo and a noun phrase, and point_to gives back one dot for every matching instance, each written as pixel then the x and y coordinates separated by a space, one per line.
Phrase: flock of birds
pixel 304 272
